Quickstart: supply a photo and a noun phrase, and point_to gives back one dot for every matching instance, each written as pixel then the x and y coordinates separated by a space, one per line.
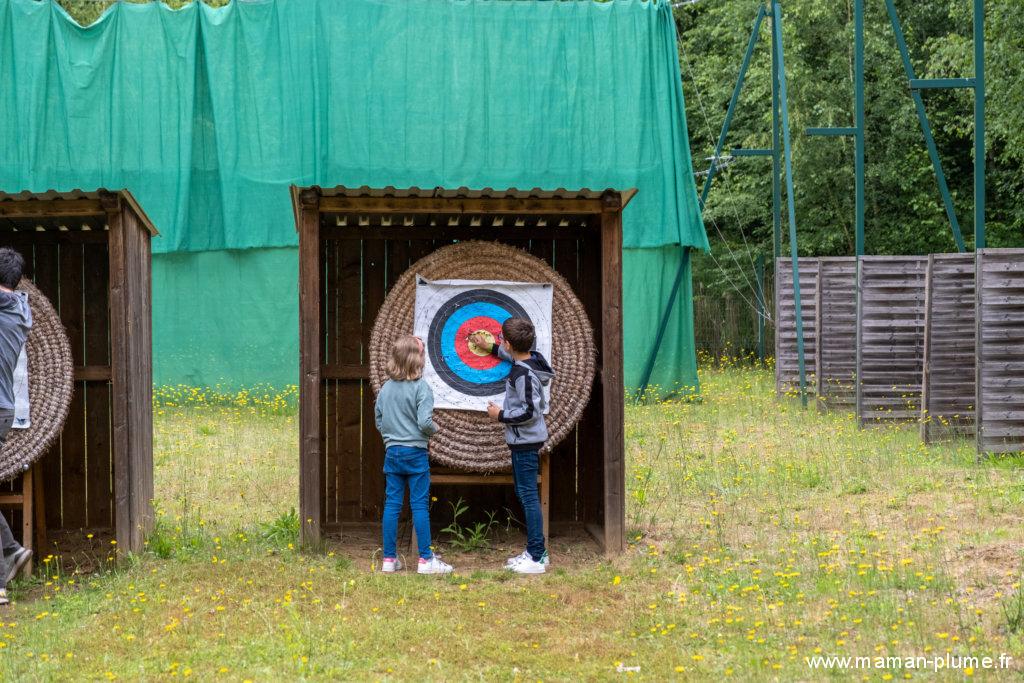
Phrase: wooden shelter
pixel 89 253
pixel 354 243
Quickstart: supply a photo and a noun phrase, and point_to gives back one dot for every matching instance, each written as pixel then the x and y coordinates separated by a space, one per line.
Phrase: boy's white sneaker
pixel 527 566
pixel 525 555
pixel 433 566
pixel 390 565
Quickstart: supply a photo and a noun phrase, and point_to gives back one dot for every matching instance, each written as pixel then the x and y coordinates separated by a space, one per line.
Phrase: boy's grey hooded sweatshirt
pixel 15 323
pixel 522 412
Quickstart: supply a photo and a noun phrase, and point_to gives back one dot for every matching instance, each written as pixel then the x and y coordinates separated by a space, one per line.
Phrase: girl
pixel 402 411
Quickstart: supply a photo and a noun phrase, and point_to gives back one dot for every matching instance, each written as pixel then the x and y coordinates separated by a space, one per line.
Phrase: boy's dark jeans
pixel 9 545
pixel 525 465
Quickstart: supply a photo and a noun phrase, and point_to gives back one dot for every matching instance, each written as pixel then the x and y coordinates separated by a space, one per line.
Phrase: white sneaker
pixel 526 565
pixel 433 566
pixel 391 565
pixel 526 556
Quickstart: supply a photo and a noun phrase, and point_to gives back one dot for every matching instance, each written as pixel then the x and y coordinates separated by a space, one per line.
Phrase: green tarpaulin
pixel 208 115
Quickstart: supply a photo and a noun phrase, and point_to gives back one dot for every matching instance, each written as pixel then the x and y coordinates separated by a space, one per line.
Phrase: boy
pixel 522 413
pixel 15 322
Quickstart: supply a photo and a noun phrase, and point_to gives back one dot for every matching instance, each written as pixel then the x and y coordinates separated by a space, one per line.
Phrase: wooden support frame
pixel 948 378
pixel 999 368
pixel 89 252
pixel 890 338
pixel 361 240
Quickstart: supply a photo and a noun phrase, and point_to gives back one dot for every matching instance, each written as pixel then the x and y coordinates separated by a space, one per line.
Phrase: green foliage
pixel 283 531
pixel 469 538
pixel 903 211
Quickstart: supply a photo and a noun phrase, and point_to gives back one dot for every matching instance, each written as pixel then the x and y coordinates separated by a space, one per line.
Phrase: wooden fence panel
pixel 787 371
pixel 890 338
pixel 1000 350
pixel 948 387
pixel 836 326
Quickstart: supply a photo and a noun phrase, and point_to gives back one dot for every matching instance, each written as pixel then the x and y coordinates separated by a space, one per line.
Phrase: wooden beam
pixel 92 373
pixel 309 370
pixel 483 205
pixel 346 372
pixel 613 387
pixel 455 232
pixel 49 208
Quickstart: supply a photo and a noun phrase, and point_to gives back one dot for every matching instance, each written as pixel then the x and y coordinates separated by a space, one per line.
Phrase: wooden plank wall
pixel 1000 350
pixel 947 386
pixel 356 276
pixel 787 374
pixel 890 338
pixel 836 326
pixel 72 269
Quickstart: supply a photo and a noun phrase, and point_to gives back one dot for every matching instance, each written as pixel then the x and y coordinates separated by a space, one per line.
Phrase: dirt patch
pixel 571 547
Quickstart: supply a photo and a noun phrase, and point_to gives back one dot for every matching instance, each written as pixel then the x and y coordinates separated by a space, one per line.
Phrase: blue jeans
pixel 524 476
pixel 406 466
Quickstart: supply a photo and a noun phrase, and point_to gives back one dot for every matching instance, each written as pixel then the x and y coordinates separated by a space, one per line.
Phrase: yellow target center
pixel 481 351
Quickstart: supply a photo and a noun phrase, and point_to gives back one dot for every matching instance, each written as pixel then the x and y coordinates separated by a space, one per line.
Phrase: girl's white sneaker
pixel 433 566
pixel 527 565
pixel 390 565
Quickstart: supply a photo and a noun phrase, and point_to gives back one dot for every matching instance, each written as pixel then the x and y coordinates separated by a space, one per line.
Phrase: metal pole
pixel 979 124
pixel 732 105
pixel 776 161
pixel 922 117
pixel 788 151
pixel 858 123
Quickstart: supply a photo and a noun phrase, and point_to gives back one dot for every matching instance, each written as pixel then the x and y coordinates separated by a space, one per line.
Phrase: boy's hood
pixel 539 364
pixel 12 301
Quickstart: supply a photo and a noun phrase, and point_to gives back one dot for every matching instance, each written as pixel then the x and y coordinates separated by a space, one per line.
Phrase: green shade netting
pixel 208 115
pixel 256 291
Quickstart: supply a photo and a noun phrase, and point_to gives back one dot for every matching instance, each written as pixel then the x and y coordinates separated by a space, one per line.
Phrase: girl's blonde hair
pixel 406 362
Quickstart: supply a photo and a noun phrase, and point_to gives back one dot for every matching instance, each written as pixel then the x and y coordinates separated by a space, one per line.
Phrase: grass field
pixel 762 535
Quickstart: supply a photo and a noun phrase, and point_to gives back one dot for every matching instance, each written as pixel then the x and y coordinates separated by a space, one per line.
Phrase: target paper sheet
pixel 462 376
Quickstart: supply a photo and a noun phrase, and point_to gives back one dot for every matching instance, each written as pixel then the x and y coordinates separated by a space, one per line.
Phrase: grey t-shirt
pixel 15 322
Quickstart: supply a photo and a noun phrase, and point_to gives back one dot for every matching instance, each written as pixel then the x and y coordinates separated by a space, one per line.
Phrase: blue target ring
pixel 477 309
pixel 441 340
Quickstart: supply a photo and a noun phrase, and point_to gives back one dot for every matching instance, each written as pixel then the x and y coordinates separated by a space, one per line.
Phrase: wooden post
pixel 926 364
pixel 611 374
pixel 39 507
pixel 119 376
pixel 139 380
pixel 27 513
pixel 859 378
pixel 309 368
pixel 819 327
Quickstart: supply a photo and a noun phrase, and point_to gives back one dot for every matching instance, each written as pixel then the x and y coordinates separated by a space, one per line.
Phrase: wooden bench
pixel 454 477
pixel 33 516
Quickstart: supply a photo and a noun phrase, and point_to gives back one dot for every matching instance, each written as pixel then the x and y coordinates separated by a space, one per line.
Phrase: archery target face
pixel 447 312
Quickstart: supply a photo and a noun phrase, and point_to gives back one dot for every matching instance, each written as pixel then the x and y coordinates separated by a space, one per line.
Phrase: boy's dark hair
pixel 520 334
pixel 12 264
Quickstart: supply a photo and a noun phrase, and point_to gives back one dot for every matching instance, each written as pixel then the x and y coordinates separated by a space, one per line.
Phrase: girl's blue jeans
pixel 406 466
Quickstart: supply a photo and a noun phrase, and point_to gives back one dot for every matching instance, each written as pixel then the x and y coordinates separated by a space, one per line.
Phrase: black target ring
pixel 444 327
